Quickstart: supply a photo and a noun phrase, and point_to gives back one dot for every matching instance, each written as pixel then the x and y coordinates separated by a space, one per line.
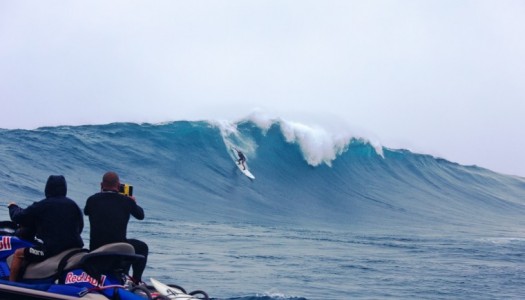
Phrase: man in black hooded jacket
pixel 58 223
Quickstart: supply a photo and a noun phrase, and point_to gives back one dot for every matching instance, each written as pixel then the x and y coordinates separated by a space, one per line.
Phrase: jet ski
pixel 78 274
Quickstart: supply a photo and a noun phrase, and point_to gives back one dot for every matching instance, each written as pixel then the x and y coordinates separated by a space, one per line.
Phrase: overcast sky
pixel 440 77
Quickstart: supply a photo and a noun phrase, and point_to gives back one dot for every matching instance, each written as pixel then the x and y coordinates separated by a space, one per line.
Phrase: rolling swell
pixel 185 168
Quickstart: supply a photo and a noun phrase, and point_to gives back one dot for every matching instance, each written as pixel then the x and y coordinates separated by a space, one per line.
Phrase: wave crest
pixel 318 145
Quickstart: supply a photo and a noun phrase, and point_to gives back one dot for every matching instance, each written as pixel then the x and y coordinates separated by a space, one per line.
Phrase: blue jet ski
pixel 74 274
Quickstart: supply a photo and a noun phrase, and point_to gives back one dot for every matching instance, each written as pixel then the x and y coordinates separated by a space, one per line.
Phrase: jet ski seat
pixel 111 259
pixel 51 267
pixel 115 258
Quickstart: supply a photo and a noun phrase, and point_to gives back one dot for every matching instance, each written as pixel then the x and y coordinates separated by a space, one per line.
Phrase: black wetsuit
pixel 241 159
pixel 241 156
pixel 57 220
pixel 109 214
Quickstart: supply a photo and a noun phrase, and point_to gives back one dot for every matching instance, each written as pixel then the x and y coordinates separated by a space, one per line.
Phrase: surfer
pixel 109 213
pixel 58 223
pixel 241 159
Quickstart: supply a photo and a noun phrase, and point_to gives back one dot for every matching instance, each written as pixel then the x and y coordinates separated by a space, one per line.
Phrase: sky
pixel 440 77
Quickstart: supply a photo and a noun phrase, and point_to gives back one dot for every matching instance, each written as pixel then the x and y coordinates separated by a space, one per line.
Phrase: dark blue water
pixel 322 220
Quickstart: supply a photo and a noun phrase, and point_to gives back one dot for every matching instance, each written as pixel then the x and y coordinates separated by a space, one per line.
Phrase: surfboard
pixel 244 170
pixel 169 291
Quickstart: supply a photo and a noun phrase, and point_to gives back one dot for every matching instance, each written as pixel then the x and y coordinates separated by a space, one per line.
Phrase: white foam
pixel 317 144
pixel 275 294
pixel 226 127
pixel 262 119
pixel 504 240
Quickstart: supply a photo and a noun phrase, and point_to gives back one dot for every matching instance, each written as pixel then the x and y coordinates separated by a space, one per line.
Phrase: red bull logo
pixel 5 243
pixel 72 278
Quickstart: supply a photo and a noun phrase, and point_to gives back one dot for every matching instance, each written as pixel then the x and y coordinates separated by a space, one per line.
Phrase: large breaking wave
pixel 305 176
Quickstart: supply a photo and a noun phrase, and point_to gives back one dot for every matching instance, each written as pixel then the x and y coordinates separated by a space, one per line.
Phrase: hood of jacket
pixel 56 186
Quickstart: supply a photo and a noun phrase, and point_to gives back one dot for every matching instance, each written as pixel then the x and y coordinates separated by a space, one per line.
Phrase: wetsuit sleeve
pixel 137 211
pixel 86 208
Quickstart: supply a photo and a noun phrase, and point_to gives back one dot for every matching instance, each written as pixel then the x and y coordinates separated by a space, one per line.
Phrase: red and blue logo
pixel 72 278
pixel 5 243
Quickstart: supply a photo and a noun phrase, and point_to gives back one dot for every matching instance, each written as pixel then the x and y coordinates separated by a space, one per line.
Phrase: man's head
pixel 56 186
pixel 110 182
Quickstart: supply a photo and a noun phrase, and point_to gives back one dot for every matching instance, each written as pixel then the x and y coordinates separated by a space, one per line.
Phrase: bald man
pixel 109 213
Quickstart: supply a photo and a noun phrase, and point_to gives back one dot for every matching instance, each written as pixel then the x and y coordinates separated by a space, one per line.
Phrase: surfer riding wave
pixel 242 159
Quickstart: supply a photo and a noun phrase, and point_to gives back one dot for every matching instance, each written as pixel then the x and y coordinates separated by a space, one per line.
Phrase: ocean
pixel 328 216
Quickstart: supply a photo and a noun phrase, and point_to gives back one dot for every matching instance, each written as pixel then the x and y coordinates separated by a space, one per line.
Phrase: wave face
pixel 188 166
pixel 305 179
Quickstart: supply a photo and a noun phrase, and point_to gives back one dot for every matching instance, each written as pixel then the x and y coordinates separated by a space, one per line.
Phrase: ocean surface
pixel 328 216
